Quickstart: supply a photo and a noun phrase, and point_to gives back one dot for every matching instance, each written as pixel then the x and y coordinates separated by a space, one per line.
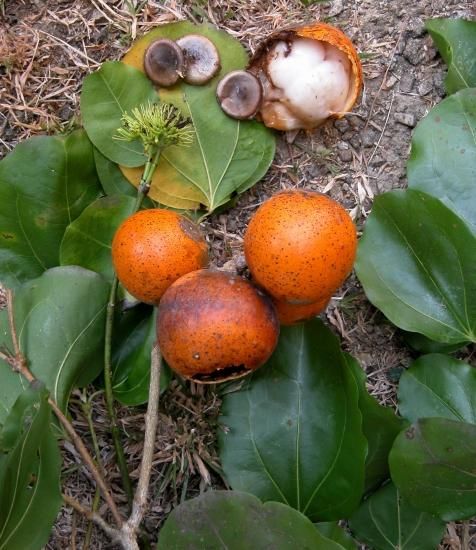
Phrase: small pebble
pixel 405 118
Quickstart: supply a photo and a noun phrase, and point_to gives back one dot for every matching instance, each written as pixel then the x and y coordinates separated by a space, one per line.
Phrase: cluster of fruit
pixel 213 325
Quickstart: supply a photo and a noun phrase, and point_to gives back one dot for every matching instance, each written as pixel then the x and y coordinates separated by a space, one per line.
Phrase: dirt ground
pixel 46 49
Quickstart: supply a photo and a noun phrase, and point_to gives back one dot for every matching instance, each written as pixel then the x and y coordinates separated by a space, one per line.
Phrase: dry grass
pixel 47 48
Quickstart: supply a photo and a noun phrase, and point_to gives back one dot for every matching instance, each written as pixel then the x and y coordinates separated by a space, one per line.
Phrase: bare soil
pixel 46 49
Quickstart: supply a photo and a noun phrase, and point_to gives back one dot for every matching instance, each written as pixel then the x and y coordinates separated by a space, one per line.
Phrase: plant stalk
pixel 142 191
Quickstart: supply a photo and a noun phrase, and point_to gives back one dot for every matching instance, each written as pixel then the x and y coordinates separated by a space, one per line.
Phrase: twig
pixel 18 363
pixel 131 527
pixel 94 517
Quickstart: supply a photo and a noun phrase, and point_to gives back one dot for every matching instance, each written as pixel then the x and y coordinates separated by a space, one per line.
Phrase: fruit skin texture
pixel 300 246
pixel 291 314
pixel 214 326
pixel 153 248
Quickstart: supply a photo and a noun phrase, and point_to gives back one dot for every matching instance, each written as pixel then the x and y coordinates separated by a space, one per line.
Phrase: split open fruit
pixel 153 248
pixel 308 74
pixel 213 326
pixel 300 246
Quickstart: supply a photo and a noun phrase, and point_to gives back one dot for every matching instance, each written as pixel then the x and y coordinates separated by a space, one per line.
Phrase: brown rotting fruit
pixel 153 248
pixel 164 62
pixel 201 58
pixel 300 246
pixel 214 326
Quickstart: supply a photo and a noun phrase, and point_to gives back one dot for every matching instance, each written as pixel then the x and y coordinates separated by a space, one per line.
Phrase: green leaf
pixel 60 321
pixel 386 521
pixel 424 345
pixel 45 183
pixel 236 520
pixel 227 155
pixel 134 336
pixel 456 42
pixel 106 95
pixel 417 263
pixel 295 430
pixel 30 469
pixel 443 157
pixel 438 385
pixel 432 464
pixel 87 241
pixel 380 425
pixel 334 532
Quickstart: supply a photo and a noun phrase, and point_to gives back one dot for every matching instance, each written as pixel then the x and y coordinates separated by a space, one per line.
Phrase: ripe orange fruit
pixel 214 326
pixel 290 314
pixel 153 248
pixel 300 246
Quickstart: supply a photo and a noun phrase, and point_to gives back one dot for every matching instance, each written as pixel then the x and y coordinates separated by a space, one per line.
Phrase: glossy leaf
pixel 438 385
pixel 227 155
pixel 30 468
pixel 87 241
pixel 432 464
pixel 134 336
pixel 60 321
pixel 443 157
pixel 456 42
pixel 333 531
pixel 417 263
pixel 386 521
pixel 295 430
pixel 380 425
pixel 424 345
pixel 45 183
pixel 107 94
pixel 236 520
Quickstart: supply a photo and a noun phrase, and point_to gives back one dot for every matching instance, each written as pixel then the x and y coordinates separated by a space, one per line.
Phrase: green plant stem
pixel 149 169
pixel 142 191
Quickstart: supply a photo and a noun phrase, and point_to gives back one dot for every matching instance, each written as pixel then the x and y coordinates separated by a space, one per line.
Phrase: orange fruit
pixel 290 314
pixel 300 246
pixel 214 326
pixel 153 248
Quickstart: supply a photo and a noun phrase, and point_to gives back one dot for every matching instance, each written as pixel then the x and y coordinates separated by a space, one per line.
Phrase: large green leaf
pixel 438 385
pixel 87 241
pixel 295 430
pixel 386 521
pixel 417 263
pixel 380 425
pixel 134 336
pixel 60 321
pixel 333 531
pixel 443 157
pixel 423 344
pixel 30 468
pixel 106 95
pixel 45 183
pixel 227 155
pixel 432 464
pixel 456 42
pixel 236 520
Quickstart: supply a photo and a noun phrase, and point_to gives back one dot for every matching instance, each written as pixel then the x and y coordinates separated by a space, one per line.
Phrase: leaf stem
pixel 142 191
